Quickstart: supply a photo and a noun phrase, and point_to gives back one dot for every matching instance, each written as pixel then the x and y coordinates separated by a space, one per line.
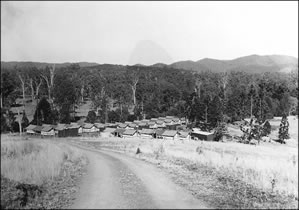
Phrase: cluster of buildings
pixel 168 127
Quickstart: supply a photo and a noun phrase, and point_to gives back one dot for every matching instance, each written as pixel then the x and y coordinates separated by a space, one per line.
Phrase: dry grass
pixel 34 161
pixel 270 167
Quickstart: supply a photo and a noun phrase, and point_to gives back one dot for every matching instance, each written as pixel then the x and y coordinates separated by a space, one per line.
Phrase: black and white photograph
pixel 149 104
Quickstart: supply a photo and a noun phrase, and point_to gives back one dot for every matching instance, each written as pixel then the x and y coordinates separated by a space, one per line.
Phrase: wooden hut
pixel 60 130
pixel 158 133
pixel 37 130
pixel 197 134
pixel 184 135
pixel 123 126
pixel 118 132
pixel 146 133
pixel 47 130
pixel 170 134
pixel 90 128
pixel 29 129
pixel 129 133
pixel 100 126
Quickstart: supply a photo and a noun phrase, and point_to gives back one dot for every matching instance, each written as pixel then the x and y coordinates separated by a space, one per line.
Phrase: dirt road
pixel 117 181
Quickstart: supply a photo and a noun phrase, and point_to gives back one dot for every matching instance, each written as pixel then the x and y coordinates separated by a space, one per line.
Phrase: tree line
pixel 121 93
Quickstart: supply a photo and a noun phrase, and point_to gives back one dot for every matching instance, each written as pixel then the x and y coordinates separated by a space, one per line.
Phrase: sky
pixel 114 32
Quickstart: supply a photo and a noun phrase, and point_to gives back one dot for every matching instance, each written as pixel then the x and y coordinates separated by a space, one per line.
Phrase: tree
pixel 22 78
pixel 48 76
pixel 43 113
pixel 283 132
pixel 65 96
pixel 91 117
pixel 25 121
pixel 133 78
pixel 266 128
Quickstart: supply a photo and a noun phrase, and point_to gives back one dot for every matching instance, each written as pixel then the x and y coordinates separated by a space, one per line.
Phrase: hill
pixel 39 65
pixel 251 63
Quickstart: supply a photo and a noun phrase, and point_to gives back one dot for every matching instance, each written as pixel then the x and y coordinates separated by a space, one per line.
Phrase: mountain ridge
pixel 252 63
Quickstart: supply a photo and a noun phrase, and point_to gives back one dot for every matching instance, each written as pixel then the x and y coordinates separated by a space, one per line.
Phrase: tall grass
pixel 34 161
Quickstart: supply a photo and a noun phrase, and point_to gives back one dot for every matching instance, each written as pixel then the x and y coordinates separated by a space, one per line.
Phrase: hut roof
pixel 30 127
pixel 132 125
pixel 73 125
pixel 154 119
pixel 147 131
pixel 198 131
pixel 151 123
pixel 47 128
pixel 60 127
pixel 129 132
pixel 119 130
pixel 159 131
pixel 123 125
pixel 169 133
pixel 159 122
pixel 109 130
pixel 99 125
pixel 169 117
pixel 142 124
pixel 183 134
pixel 37 128
pixel 87 125
pixel 167 120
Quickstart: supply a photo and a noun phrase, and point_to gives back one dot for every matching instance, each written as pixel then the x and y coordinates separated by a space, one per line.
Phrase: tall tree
pixel 49 75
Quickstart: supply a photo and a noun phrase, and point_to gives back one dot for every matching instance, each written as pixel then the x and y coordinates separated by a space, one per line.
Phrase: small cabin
pixel 146 133
pixel 60 130
pixel 29 129
pixel 169 134
pixel 130 133
pixel 100 126
pixel 152 125
pixel 184 135
pixel 37 129
pixel 197 134
pixel 89 128
pixel 47 130
pixel 158 133
pixel 123 126
pixel 118 132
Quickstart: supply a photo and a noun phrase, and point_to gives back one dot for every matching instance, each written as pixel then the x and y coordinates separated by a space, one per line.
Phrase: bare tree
pixel 37 86
pixel 50 81
pixel 133 79
pixel 22 80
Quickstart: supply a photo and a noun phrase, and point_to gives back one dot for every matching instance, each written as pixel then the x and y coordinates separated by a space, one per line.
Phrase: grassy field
pixel 47 165
pixel 270 168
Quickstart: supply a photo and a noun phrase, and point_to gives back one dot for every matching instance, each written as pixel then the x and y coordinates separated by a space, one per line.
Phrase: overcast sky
pixel 108 32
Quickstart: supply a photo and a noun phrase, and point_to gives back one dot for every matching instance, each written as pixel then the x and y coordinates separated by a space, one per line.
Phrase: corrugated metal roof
pixel 159 131
pixel 119 130
pixel 47 128
pixel 129 132
pixel 99 125
pixel 38 128
pixel 169 133
pixel 147 131
pixel 30 127
pixel 88 125
pixel 123 125
pixel 109 130
pixel 197 130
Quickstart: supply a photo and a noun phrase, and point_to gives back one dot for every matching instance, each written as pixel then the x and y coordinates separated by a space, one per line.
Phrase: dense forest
pixel 121 93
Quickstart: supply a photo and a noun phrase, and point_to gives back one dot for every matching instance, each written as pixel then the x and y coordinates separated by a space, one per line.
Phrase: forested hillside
pixel 120 93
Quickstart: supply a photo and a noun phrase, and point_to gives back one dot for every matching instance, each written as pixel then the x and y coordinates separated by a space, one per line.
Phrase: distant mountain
pixel 251 63
pixel 12 64
pixel 148 52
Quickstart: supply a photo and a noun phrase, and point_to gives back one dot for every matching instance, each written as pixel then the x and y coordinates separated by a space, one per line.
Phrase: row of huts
pixel 163 127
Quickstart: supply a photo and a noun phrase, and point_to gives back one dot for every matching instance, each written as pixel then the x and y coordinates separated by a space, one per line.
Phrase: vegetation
pixel 120 93
pixel 283 132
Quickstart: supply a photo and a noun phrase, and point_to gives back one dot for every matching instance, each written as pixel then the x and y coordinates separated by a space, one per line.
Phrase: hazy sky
pixel 108 32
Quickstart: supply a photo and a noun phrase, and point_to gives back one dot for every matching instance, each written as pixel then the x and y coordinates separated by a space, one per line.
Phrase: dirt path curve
pixel 114 180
